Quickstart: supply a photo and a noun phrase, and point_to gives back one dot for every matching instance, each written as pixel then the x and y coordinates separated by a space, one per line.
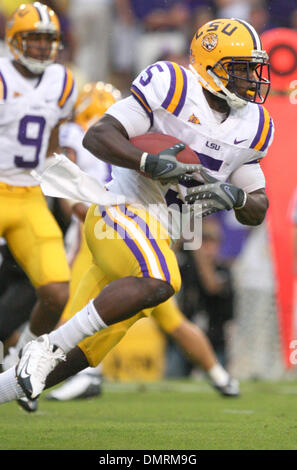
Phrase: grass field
pixel 170 415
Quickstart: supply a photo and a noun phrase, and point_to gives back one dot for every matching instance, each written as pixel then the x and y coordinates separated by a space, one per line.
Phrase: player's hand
pixel 215 195
pixel 164 166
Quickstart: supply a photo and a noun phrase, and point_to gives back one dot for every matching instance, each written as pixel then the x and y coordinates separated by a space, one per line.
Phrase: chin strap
pixel 232 100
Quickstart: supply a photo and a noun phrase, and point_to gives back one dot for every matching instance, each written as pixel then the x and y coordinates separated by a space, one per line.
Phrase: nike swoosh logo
pixel 236 142
pixel 227 190
pixel 24 374
pixel 169 167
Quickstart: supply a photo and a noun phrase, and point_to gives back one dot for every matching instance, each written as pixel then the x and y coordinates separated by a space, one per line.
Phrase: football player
pixel 92 102
pixel 216 107
pixel 36 96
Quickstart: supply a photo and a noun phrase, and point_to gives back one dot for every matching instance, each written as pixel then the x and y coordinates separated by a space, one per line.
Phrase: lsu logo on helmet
pixel 219 49
pixel 210 41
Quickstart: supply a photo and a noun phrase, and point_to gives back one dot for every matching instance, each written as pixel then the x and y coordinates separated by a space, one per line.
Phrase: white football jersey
pixel 29 110
pixel 169 99
pixel 71 135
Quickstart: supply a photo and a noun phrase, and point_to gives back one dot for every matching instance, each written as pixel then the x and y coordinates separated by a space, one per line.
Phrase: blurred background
pixel 249 311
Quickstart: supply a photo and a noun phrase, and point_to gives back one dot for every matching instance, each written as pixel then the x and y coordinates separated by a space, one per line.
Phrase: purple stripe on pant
pixel 145 229
pixel 128 240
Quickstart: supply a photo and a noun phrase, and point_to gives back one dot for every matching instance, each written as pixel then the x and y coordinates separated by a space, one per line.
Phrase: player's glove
pixel 164 166
pixel 216 195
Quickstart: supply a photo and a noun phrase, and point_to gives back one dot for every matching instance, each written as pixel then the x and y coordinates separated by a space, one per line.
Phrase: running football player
pixel 92 102
pixel 216 108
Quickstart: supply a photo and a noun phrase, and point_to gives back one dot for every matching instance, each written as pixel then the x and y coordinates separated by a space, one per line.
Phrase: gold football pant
pixel 118 255
pixel 32 234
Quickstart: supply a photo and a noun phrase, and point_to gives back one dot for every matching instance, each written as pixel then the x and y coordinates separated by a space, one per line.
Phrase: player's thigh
pixel 168 316
pixel 126 241
pixel 10 201
pixel 36 242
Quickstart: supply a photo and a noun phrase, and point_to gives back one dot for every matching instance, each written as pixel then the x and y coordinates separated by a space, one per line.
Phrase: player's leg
pixel 195 344
pixel 90 351
pixel 36 243
pixel 86 383
pixel 17 298
pixel 185 333
pixel 141 267
pixel 143 272
pixel 82 290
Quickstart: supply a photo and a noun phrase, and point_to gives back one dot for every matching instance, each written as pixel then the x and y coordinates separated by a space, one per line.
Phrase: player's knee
pixel 155 291
pixel 54 295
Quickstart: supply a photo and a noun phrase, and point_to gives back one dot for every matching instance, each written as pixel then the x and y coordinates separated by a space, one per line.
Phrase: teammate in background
pixel 216 108
pixel 92 102
pixel 36 96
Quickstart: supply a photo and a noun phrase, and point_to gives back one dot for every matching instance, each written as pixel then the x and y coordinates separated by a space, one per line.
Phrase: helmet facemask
pixel 21 48
pixel 254 77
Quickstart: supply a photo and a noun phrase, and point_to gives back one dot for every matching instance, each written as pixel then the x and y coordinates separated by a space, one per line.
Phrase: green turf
pixel 171 415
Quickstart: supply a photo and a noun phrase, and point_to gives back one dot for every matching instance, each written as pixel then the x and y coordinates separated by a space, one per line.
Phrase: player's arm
pixel 109 141
pixel 250 178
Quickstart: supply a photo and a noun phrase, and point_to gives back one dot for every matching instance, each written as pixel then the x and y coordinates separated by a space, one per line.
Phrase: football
pixel 155 143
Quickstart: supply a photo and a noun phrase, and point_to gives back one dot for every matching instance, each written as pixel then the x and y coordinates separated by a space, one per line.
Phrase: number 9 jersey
pixel 30 109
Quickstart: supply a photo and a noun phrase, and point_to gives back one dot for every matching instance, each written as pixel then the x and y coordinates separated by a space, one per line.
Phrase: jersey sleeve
pixel 161 85
pixel 248 177
pixel 131 115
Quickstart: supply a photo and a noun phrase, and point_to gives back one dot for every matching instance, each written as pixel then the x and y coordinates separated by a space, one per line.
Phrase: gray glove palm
pixel 215 195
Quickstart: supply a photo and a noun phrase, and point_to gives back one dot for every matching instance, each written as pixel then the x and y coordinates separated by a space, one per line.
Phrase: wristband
pixel 143 161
